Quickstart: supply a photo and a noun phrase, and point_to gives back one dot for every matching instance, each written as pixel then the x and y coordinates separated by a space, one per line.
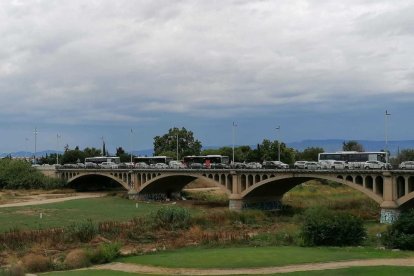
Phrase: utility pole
pixel 35 145
pixel 278 144
pixel 234 138
pixel 386 136
pixel 57 151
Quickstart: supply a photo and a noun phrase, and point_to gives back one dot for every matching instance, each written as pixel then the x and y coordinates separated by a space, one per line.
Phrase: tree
pixel 92 152
pixel 405 155
pixel 123 156
pixel 309 154
pixel 352 145
pixel 187 145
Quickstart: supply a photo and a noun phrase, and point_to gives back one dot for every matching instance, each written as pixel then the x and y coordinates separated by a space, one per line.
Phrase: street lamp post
pixel 130 143
pixel 233 138
pixel 35 145
pixel 386 135
pixel 278 144
pixel 57 151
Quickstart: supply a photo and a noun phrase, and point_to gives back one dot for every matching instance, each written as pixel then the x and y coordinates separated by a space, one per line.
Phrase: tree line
pixel 181 142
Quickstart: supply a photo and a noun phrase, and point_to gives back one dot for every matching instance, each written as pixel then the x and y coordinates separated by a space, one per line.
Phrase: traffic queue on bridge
pixel 326 161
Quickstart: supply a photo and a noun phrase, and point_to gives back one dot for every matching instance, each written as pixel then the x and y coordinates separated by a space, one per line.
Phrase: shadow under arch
pixel 279 185
pixel 406 201
pixel 96 181
pixel 174 183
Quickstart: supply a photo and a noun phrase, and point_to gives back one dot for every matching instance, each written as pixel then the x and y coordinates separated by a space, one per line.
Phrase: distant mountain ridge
pixel 329 145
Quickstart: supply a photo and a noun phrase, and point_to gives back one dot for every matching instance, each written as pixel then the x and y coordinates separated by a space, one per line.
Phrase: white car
pixel 253 165
pixel 108 165
pixel 406 165
pixel 141 165
pixel 310 165
pixel 274 165
pixel 326 164
pixel 374 165
pixel 339 165
pixel 299 164
pixel 176 165
pixel 160 166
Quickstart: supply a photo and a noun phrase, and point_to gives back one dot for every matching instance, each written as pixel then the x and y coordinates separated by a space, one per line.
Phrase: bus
pixel 152 160
pixel 101 159
pixel 354 158
pixel 207 161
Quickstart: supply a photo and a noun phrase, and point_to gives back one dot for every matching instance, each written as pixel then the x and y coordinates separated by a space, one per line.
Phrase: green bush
pixel 18 174
pixel 105 253
pixel 172 218
pixel 401 233
pixel 82 231
pixel 328 228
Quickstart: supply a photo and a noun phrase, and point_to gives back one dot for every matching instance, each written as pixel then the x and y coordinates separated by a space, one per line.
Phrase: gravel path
pixel 52 200
pixel 264 270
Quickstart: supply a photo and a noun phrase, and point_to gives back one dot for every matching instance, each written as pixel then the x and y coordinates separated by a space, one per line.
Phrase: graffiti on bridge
pixel 265 206
pixel 158 196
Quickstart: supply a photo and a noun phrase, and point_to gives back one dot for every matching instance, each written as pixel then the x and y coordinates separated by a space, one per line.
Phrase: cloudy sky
pixel 86 69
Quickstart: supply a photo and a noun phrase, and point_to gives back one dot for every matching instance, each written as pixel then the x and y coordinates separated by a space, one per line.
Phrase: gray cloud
pixel 113 61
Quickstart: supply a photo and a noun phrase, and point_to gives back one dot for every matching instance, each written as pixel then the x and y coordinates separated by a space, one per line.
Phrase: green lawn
pixel 355 271
pixel 68 212
pixel 249 257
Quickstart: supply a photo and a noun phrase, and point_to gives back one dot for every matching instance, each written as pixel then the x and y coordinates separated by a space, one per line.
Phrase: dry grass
pixel 77 258
pixel 36 263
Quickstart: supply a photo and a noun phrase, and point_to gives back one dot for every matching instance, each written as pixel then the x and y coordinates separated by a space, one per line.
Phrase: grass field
pixel 68 212
pixel 353 271
pixel 248 257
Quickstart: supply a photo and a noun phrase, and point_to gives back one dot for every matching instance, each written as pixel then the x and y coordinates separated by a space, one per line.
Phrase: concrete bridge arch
pixel 121 179
pixel 175 182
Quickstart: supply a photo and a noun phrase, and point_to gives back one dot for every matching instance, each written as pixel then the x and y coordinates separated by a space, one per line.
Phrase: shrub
pixel 13 270
pixel 324 227
pixel 36 263
pixel 401 233
pixel 77 258
pixel 105 253
pixel 82 231
pixel 172 218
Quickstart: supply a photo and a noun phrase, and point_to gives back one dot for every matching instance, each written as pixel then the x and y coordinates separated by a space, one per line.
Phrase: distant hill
pixel 332 145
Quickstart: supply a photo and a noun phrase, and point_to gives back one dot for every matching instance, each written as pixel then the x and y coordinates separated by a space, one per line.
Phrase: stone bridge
pixel 392 190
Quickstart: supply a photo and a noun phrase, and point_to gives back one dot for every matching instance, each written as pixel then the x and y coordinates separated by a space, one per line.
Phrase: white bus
pixel 354 158
pixel 101 159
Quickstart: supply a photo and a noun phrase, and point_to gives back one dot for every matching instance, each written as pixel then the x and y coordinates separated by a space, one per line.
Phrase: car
pixel 160 166
pixel 326 164
pixel 141 165
pixel 375 165
pixel 91 165
pixel 80 165
pixel 219 166
pixel 253 165
pixel 196 165
pixel 129 165
pixel 299 164
pixel 176 165
pixel 311 165
pixel 406 165
pixel 339 165
pixel 274 165
pixel 238 165
pixel 108 165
